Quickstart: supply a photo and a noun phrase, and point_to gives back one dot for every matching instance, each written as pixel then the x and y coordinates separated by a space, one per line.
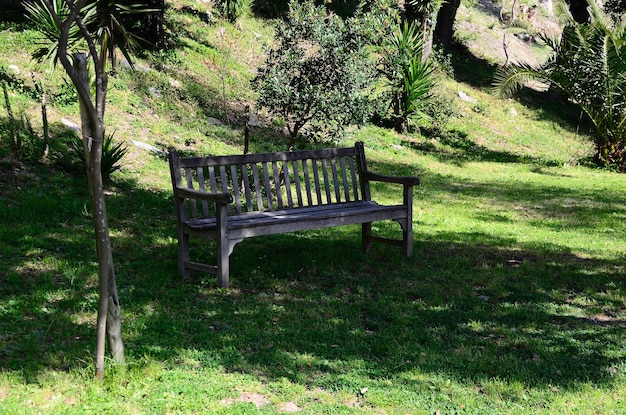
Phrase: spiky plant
pixel 106 19
pixel 409 78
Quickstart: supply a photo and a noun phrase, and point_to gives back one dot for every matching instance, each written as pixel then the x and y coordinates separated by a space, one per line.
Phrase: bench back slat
pixel 246 186
pixel 201 186
pixel 326 183
pixel 355 183
pixel 279 193
pixel 271 181
pixel 192 203
pixel 257 187
pixel 268 189
pixel 236 183
pixel 333 163
pixel 307 182
pixel 287 179
pixel 297 182
pixel 344 178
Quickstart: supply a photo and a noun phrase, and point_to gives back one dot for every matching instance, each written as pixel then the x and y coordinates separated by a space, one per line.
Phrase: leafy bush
pixel 317 75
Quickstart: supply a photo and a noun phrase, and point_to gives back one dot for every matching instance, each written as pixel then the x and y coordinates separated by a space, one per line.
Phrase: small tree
pixel 316 76
pixel 588 65
pixel 91 25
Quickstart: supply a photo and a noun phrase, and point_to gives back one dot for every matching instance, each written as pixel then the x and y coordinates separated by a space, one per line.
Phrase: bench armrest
pixel 223 198
pixel 404 180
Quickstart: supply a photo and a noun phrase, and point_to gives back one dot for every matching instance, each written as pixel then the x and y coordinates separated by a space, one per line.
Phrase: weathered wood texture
pixel 230 198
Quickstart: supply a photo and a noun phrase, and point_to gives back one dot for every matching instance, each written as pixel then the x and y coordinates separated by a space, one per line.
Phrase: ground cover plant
pixel 513 302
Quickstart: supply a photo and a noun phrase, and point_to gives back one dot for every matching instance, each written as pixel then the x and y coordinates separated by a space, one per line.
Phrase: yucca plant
pixel 103 17
pixel 588 65
pixel 42 18
pixel 233 9
pixel 68 154
pixel 409 78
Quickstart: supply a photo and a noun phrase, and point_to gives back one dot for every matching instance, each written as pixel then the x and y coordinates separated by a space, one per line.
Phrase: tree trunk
pixel 444 29
pixel 109 317
pixel 150 29
pixel 579 11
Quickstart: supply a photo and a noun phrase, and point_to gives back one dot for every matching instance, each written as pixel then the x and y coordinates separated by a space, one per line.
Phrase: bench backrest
pixel 272 181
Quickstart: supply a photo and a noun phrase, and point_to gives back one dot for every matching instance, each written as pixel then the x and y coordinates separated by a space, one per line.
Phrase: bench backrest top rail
pixel 267 157
pixel 272 181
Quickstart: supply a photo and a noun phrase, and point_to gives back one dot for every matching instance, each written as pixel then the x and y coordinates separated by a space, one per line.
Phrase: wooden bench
pixel 230 198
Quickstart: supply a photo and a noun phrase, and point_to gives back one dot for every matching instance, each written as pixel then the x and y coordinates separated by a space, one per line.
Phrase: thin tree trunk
pixel 109 316
pixel 444 29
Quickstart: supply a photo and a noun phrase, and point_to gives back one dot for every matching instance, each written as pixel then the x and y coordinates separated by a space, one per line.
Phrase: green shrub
pixel 587 65
pixel 317 74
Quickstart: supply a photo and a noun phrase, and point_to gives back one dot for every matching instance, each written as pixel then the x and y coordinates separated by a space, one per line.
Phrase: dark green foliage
pixel 343 8
pixel 317 75
pixel 105 20
pixel 41 18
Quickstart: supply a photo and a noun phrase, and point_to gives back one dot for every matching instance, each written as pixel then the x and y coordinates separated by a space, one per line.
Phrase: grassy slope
pixel 513 303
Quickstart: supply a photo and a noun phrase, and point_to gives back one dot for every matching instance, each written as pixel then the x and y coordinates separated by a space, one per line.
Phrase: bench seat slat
pixel 334 211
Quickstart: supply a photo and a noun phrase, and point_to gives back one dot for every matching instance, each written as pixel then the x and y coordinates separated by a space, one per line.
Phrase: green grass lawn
pixel 514 301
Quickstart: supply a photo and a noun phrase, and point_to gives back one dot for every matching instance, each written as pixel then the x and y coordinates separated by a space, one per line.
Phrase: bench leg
pixel 407 239
pixel 224 248
pixel 223 267
pixel 223 263
pixel 366 236
pixel 183 254
pixel 407 231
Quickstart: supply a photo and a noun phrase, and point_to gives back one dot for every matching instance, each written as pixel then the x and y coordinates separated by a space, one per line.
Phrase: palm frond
pixel 39 13
pixel 508 80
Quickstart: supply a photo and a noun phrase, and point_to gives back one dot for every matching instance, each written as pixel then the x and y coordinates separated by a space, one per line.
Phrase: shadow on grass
pixel 469 309
pixel 309 307
pixel 464 150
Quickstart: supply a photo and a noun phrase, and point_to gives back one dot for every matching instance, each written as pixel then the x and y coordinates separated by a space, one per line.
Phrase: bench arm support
pixel 220 198
pixel 404 180
pixel 407 183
